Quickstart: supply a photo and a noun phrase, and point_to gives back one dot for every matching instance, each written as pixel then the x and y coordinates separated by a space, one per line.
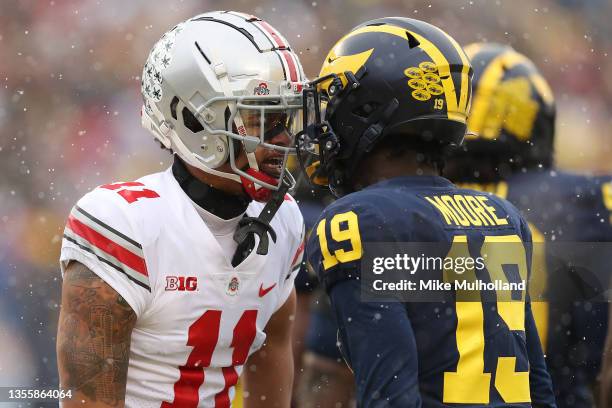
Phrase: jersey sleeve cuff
pixel 118 283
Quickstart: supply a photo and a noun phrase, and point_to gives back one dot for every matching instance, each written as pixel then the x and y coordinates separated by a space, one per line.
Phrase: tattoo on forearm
pixel 94 336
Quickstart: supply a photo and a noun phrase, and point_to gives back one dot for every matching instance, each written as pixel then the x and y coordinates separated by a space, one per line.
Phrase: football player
pixel 172 281
pixel 509 152
pixel 394 95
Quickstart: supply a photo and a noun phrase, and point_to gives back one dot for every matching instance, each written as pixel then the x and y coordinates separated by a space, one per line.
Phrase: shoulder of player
pixel 585 187
pixel 505 204
pixel 463 207
pixel 380 204
pixel 360 203
pixel 373 211
pixel 121 208
pixel 562 185
pixel 512 213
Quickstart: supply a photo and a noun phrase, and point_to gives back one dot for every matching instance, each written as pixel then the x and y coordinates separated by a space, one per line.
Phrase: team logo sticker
pixel 261 89
pixel 181 283
pixel 424 81
pixel 233 286
pixel 159 59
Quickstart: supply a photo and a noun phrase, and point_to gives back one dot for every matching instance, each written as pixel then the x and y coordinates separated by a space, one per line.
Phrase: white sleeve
pixel 99 235
pixel 296 262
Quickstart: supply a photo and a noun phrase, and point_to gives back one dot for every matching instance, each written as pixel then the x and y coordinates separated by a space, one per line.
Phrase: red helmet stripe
pixel 290 64
pixel 275 36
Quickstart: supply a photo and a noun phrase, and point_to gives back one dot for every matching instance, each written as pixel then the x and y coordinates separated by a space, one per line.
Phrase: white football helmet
pixel 213 80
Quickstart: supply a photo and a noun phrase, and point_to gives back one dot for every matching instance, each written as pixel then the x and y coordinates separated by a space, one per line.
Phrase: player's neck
pixel 381 167
pixel 209 195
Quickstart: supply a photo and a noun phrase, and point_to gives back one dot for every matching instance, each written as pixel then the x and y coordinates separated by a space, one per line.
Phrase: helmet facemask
pixel 252 121
pixel 249 122
pixel 317 146
pixel 334 158
pixel 202 98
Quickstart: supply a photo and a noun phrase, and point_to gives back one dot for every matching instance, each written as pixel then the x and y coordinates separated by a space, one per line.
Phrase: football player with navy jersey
pixel 392 98
pixel 509 151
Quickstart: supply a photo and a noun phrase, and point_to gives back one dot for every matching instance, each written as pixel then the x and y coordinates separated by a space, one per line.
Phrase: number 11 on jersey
pixel 203 336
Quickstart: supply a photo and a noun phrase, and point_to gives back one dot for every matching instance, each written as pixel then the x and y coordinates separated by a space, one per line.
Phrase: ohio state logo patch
pixel 261 89
pixel 233 286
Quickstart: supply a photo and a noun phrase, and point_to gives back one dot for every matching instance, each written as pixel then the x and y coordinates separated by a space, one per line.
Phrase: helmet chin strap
pixel 249 227
pixel 256 191
pixel 259 226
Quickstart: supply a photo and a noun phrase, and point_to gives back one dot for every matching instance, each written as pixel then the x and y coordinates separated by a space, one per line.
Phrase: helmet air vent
pixel 190 121
pixel 173 104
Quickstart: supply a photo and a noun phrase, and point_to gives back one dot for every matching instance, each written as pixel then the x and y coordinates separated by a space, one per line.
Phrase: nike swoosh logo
pixel 263 292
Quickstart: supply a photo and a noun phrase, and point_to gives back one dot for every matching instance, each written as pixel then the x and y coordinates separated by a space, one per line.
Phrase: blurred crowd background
pixel 70 113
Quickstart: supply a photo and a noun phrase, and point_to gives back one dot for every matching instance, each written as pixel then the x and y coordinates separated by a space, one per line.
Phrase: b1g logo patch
pixel 261 89
pixel 181 283
pixel 425 82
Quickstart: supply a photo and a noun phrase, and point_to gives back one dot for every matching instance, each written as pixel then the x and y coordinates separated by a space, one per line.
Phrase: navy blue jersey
pixel 563 207
pixel 321 335
pixel 434 354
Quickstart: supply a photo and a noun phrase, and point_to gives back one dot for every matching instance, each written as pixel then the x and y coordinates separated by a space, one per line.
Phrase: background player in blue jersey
pixel 324 380
pixel 395 94
pixel 509 152
pixel 321 379
pixel 605 397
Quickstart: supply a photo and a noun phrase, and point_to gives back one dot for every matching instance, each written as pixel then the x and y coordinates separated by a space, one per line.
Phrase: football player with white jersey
pixel 172 281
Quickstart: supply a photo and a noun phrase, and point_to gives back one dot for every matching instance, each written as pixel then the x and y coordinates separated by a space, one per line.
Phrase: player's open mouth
pixel 272 167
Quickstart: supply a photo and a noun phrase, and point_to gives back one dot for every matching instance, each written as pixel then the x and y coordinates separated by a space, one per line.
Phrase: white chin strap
pixel 250 155
pixel 221 73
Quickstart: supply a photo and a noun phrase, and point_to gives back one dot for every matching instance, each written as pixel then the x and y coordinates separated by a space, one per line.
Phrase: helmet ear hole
pixel 364 111
pixel 173 104
pixel 190 121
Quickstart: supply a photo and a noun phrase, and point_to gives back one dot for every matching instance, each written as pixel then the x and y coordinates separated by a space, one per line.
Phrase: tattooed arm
pixel 93 340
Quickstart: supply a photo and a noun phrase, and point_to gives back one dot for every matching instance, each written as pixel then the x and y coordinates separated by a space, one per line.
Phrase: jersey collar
pixel 219 203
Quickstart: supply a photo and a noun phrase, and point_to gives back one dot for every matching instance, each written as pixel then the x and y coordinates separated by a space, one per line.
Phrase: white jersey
pixel 198 317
